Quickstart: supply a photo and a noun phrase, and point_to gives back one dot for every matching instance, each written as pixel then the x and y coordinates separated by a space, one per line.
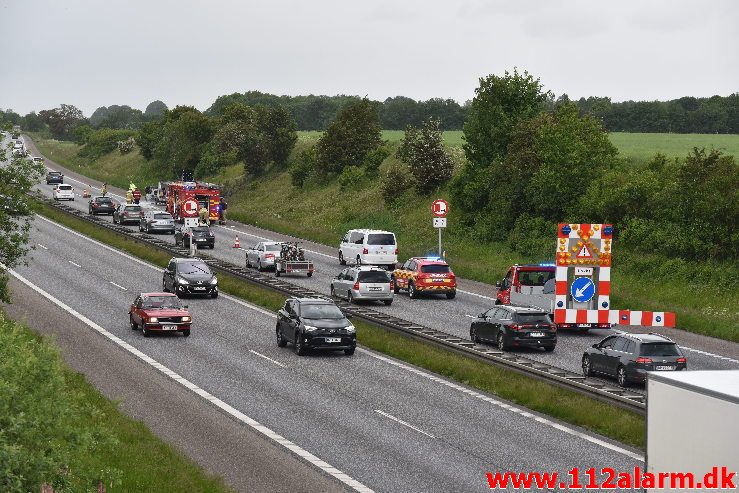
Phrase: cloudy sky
pixel 97 53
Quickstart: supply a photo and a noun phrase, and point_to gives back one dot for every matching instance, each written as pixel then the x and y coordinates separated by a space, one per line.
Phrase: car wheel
pixel 548 349
pixel 277 272
pixel 186 332
pixel 359 261
pixel 473 335
pixel 412 294
pixel 133 324
pixel 349 296
pixel 248 263
pixel 175 290
pixel 299 347
pixel 141 230
pixel 501 342
pixel 333 291
pixel 387 302
pixel 259 265
pixel 310 274
pixel 623 381
pixel 342 260
pixel 349 351
pixel 144 331
pixel 451 295
pixel 214 294
pixel 396 290
pixel 586 368
pixel 281 341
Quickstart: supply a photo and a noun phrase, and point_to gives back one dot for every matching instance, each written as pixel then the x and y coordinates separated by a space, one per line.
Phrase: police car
pixel 425 275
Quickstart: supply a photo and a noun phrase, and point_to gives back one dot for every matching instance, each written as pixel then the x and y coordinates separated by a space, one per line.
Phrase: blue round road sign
pixel 582 289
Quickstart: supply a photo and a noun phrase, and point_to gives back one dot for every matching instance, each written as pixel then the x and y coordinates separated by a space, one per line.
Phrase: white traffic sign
pixel 440 207
pixel 440 222
pixel 190 208
pixel 583 271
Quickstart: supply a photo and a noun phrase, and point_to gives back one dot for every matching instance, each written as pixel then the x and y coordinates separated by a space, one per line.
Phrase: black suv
pixel 514 326
pixel 54 177
pixel 189 276
pixel 101 205
pixel 629 357
pixel 314 323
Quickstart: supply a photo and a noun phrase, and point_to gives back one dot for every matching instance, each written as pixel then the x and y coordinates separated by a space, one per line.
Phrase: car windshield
pixel 161 302
pixel 660 349
pixel 194 268
pixel 373 276
pixel 201 229
pixel 320 311
pixel 381 239
pixel 105 200
pixel 162 216
pixel 273 248
pixel 535 277
pixel 54 173
pixel 533 318
pixel 65 187
pixel 133 208
pixel 435 269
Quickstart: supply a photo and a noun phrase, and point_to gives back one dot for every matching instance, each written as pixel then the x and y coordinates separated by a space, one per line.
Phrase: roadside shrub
pixel 423 151
pixel 533 237
pixel 126 146
pixel 103 141
pixel 350 137
pixel 374 159
pixel 396 183
pixel 304 167
pixel 351 177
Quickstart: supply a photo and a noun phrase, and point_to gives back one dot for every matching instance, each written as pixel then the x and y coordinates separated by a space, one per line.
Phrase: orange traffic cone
pixel 236 243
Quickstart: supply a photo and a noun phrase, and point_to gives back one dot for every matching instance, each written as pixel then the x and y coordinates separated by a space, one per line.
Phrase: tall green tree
pixel 63 120
pixel 422 149
pixel 155 109
pixel 184 135
pixel 350 137
pixel 280 133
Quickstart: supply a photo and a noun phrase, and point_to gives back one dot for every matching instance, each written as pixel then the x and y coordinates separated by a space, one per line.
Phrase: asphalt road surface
pixel 452 316
pixel 383 424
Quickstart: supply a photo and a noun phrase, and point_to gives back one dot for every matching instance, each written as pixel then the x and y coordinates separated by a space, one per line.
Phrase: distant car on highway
pixel 101 205
pixel 201 236
pixel 263 255
pixel 314 323
pixel 54 177
pixel 369 246
pixel 363 283
pixel 159 312
pixel 425 275
pixel 184 276
pixel 127 213
pixel 515 327
pixel 157 222
pixel 629 357
pixel 37 159
pixel 63 192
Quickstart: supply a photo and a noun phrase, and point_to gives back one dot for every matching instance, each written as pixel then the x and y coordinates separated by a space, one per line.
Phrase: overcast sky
pixel 98 53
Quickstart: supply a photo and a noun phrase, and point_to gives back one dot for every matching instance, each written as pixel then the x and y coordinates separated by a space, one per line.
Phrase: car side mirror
pixel 498 284
pixel 185 307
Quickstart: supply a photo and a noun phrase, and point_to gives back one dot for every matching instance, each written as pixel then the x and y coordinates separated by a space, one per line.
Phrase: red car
pixel 425 275
pixel 159 312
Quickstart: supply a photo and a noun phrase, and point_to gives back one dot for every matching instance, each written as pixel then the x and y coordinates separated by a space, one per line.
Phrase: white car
pixel 369 246
pixel 63 192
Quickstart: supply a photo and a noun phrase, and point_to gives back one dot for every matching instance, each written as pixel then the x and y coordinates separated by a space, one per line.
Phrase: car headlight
pixel 182 280
pixel 310 328
pixel 214 280
pixel 186 319
pixel 153 320
pixel 351 329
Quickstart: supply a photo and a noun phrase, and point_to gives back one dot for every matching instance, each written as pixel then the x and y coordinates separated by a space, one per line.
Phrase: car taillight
pixel 269 255
pixel 356 286
pixel 396 251
pixel 514 327
pixel 682 360
pixel 392 286
pixel 365 251
pixel 646 361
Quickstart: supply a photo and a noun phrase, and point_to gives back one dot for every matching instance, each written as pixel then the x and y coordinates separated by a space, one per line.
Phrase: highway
pixel 452 316
pixel 382 424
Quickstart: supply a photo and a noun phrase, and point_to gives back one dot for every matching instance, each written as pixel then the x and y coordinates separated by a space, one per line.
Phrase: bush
pixel 350 178
pixel 423 151
pixel 304 167
pixel 374 159
pixel 350 137
pixel 126 146
pixel 397 182
pixel 103 141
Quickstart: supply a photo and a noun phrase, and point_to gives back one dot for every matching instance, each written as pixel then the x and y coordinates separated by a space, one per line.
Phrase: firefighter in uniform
pixel 136 195
pixel 129 196
pixel 104 189
pixel 204 214
pixel 222 206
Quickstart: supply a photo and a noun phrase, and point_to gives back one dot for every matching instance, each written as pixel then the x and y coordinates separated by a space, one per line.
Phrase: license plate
pixel 583 325
pixel 663 368
pixel 333 339
pixel 375 289
pixel 169 327
pixel 199 288
pixel 199 239
pixel 537 334
pixel 438 280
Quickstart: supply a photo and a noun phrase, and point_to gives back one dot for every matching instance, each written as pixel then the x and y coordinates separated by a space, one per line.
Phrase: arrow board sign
pixel 584 252
pixel 582 289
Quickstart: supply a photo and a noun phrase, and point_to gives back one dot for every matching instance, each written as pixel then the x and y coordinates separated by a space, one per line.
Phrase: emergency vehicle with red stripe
pixel 425 275
pixel 180 193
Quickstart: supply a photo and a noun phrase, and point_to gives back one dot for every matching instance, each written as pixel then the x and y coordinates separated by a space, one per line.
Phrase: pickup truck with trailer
pixel 532 285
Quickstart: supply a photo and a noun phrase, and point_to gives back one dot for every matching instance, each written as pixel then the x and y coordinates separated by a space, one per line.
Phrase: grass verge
pixel 58 429
pixel 571 407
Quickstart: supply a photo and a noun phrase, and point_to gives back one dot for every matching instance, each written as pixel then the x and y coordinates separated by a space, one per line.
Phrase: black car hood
pixel 197 277
pixel 327 323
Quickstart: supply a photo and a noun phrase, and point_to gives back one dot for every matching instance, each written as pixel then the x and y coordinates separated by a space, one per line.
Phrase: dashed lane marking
pixel 76 265
pixel 252 423
pixel 118 286
pixel 706 353
pixel 42 246
pixel 267 358
pixel 398 420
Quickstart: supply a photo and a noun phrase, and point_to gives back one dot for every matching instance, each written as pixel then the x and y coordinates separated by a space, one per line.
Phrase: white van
pixel 369 246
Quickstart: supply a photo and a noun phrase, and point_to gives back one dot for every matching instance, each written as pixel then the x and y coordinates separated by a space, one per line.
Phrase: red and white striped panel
pixel 614 317
pixel 594 234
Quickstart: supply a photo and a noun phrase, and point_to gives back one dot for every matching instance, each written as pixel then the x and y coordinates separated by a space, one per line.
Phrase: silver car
pixel 157 222
pixel 263 254
pixel 364 283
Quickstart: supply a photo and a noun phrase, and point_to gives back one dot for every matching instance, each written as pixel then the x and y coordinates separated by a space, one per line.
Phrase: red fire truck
pixel 181 194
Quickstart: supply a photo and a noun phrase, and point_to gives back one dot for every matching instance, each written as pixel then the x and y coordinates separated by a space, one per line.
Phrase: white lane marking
pixel 469 316
pixel 398 420
pixel 296 449
pixel 475 294
pixel 42 246
pixel 76 265
pixel 706 353
pixel 507 406
pixel 118 286
pixel 267 358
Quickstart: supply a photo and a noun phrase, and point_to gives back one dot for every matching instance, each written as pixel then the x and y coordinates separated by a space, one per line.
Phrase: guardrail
pixel 558 376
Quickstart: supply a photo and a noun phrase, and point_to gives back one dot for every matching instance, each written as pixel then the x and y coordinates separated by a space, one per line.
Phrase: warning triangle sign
pixel 584 252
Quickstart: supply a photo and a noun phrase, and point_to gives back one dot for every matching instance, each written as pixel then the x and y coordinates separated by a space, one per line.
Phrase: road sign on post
pixel 439 209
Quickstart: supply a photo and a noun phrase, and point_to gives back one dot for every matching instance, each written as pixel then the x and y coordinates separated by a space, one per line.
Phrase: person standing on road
pixel 104 189
pixel 136 195
pixel 129 196
pixel 222 206
pixel 203 213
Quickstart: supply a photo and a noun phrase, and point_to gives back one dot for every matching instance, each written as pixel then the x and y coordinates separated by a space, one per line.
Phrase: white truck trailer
pixel 693 425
